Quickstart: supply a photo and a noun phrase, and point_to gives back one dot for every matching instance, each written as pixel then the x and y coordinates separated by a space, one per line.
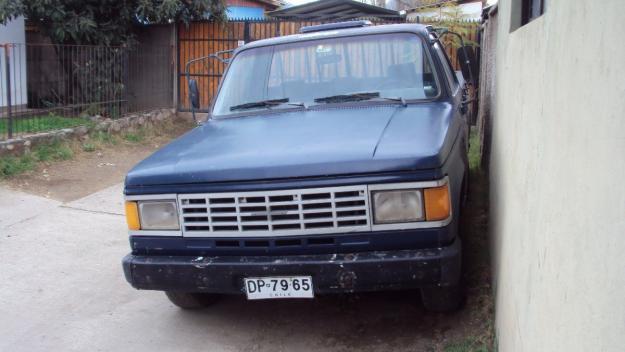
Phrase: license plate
pixel 279 287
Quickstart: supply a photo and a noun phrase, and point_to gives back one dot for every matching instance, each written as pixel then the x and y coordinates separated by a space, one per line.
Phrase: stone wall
pixel 21 145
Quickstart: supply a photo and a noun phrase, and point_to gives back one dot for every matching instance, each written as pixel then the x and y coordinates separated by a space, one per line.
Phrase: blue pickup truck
pixel 332 161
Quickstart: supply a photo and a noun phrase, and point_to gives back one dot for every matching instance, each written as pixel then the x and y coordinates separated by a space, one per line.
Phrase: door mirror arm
pixel 194 91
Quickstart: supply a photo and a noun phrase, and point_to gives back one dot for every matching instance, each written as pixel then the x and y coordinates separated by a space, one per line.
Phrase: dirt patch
pixel 94 166
pixel 477 315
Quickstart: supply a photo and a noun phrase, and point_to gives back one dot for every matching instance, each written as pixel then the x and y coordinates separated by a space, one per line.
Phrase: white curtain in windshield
pixel 394 65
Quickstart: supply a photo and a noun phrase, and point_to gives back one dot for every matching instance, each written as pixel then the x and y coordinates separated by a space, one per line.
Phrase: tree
pixel 454 19
pixel 109 24
pixel 104 22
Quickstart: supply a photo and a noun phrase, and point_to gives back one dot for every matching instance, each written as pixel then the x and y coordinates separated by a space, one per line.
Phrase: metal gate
pixel 204 38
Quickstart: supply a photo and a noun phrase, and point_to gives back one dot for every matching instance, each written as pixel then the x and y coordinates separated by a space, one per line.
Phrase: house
pixel 13 33
pixel 335 10
pixel 439 9
pixel 250 9
pixel 557 200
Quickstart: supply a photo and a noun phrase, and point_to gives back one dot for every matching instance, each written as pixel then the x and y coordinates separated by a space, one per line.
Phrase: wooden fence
pixel 204 38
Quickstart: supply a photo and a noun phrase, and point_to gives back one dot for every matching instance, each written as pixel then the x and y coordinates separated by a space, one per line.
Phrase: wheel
pixel 191 300
pixel 442 299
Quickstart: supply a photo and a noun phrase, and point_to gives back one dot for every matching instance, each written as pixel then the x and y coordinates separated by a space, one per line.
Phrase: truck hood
pixel 310 143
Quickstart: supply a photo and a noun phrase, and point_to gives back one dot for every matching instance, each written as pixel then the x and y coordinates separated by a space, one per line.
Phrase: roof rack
pixel 332 26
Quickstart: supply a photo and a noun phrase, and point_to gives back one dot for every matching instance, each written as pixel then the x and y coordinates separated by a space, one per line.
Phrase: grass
pixel 11 166
pixel 101 137
pixel 54 151
pixel 89 147
pixel 476 260
pixel 474 150
pixel 135 137
pixel 42 123
pixel 467 345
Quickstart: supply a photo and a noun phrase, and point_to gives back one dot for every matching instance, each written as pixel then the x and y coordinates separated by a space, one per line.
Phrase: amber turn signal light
pixel 437 203
pixel 132 216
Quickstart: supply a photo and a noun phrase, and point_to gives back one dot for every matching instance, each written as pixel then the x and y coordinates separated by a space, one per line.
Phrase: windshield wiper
pixel 357 97
pixel 265 104
pixel 399 100
pixel 348 97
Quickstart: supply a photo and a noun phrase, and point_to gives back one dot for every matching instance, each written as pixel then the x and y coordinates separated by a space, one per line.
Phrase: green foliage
pixel 49 122
pixel 54 151
pixel 467 345
pixel 102 137
pixel 88 147
pixel 105 71
pixel 450 16
pixel 474 150
pixel 105 22
pixel 134 137
pixel 11 166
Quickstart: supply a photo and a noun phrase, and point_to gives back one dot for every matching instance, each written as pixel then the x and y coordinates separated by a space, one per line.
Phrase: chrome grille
pixel 273 213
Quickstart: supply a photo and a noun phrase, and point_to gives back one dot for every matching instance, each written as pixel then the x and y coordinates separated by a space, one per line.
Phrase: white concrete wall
pixel 558 179
pixel 13 32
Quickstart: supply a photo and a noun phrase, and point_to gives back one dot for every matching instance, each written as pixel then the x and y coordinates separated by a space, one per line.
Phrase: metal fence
pixel 45 87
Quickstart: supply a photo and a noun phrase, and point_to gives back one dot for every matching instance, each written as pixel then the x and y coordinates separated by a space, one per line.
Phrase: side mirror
pixel 194 94
pixel 468 64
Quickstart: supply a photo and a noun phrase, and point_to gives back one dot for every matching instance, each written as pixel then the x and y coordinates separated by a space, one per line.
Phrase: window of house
pixel 531 9
pixel 525 11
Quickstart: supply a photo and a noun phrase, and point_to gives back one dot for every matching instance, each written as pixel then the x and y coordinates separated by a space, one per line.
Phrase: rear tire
pixel 442 299
pixel 191 300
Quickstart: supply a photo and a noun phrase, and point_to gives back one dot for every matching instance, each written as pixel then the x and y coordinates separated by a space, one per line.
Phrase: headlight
pixel 397 206
pixel 158 215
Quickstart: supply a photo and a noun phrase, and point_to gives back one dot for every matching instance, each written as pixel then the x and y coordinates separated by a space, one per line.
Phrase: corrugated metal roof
pixel 335 10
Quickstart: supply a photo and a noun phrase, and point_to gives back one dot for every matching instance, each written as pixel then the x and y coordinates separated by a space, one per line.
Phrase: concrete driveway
pixel 62 289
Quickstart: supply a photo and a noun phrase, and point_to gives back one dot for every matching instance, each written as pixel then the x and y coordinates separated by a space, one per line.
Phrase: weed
pixel 466 345
pixel 11 166
pixel 102 137
pixel 134 137
pixel 474 150
pixel 88 147
pixel 53 151
pixel 42 123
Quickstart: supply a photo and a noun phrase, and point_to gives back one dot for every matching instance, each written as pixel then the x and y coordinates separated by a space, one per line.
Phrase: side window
pixel 449 71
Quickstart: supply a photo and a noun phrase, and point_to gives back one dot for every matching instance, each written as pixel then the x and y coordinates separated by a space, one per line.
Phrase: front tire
pixel 442 299
pixel 191 300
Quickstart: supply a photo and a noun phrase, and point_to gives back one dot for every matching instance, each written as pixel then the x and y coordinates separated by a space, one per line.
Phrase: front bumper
pixel 331 273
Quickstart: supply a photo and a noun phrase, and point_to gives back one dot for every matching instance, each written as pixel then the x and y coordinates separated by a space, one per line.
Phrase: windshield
pixel 307 73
